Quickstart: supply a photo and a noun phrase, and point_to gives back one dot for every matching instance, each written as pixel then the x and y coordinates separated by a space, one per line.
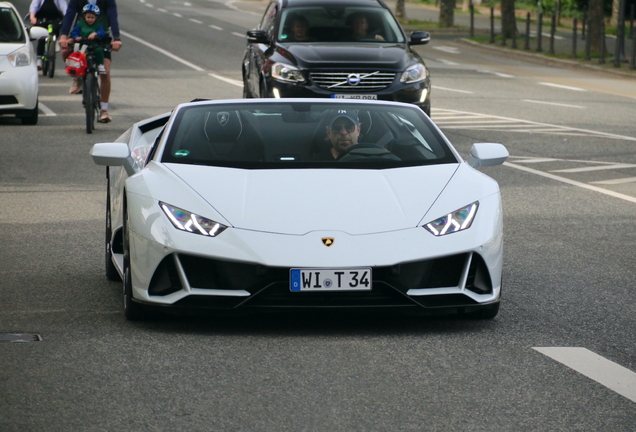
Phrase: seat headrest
pixel 223 127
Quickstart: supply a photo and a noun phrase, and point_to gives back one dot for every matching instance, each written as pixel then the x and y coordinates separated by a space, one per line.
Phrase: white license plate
pixel 320 279
pixel 355 96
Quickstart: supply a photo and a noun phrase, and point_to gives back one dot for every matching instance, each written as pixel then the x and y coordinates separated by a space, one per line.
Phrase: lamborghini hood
pixel 297 201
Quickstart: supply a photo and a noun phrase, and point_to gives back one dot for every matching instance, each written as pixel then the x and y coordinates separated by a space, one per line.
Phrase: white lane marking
pixel 230 4
pixel 187 4
pixel 499 74
pixel 162 51
pixel 162 10
pixel 451 50
pixel 612 375
pixel 525 125
pixel 448 62
pixel 552 103
pixel 561 86
pixel 196 21
pixel 48 112
pixel 453 90
pixel 216 27
pixel 177 15
pixel 239 34
pixel 616 181
pixel 595 168
pixel 537 160
pixel 150 5
pixel 227 80
pixel 573 182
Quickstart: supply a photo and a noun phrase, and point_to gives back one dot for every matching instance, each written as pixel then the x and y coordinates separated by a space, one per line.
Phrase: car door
pixel 260 51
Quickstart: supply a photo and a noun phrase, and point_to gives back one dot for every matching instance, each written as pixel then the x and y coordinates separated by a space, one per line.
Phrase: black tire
pixel 31 116
pixel 111 271
pixel 132 311
pixel 51 57
pixel 89 102
pixel 45 64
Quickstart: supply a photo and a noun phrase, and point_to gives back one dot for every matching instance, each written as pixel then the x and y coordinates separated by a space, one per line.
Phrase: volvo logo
pixel 353 79
pixel 327 241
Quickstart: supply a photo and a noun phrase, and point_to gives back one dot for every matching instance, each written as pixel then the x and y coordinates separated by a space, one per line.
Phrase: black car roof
pixel 367 3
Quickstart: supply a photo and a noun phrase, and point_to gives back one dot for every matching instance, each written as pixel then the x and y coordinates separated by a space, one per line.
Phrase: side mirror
pixel 36 33
pixel 420 38
pixel 257 36
pixel 114 154
pixel 487 154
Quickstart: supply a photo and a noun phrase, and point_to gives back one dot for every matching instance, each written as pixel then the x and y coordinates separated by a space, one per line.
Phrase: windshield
pixel 338 24
pixel 10 27
pixel 304 135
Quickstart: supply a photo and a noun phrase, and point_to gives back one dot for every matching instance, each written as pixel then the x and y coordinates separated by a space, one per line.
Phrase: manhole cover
pixel 20 337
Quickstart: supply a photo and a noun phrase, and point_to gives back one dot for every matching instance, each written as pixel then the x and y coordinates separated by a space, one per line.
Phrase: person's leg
pixel 105 91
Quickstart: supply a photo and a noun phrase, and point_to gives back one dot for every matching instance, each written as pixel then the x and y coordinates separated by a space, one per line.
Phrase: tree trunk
pixel 615 7
pixel 466 5
pixel 596 17
pixel 446 13
pixel 508 21
pixel 400 11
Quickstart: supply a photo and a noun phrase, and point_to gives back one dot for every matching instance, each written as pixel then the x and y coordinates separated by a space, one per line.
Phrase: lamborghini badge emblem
pixel 223 117
pixel 327 241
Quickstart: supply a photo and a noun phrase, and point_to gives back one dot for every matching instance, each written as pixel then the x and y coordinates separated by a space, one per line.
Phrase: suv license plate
pixel 355 96
pixel 320 279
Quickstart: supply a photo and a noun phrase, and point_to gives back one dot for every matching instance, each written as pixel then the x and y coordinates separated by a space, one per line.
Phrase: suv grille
pixel 345 81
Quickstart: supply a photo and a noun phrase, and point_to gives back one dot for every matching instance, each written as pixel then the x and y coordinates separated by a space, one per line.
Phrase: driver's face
pixel 343 134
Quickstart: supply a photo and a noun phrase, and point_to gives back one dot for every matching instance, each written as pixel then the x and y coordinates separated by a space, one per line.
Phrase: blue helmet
pixel 91 8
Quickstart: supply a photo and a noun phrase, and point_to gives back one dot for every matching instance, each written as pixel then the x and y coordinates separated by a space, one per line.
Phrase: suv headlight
pixel 20 57
pixel 453 222
pixel 186 221
pixel 415 73
pixel 287 73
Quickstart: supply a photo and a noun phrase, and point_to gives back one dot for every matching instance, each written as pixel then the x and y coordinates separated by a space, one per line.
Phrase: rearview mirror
pixel 257 36
pixel 114 154
pixel 487 154
pixel 36 33
pixel 420 38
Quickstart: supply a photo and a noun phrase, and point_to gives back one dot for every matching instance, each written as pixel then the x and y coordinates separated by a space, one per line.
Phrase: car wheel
pixel 263 90
pixel 111 271
pixel 30 117
pixel 132 311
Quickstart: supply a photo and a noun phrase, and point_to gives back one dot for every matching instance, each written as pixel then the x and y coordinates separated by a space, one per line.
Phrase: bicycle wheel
pixel 89 101
pixel 45 56
pixel 51 54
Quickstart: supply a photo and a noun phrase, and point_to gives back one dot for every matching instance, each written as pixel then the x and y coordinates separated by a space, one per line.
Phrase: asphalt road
pixel 569 195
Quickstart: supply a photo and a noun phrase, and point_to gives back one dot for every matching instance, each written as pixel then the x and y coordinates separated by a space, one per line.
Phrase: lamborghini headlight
pixel 453 222
pixel 413 74
pixel 186 221
pixel 287 73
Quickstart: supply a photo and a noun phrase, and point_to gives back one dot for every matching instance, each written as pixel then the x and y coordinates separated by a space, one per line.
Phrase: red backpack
pixel 76 64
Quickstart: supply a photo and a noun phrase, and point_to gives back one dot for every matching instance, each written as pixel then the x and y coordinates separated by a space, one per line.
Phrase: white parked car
pixel 253 204
pixel 18 68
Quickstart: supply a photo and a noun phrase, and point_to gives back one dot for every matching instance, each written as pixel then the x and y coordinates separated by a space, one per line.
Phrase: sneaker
pixel 101 69
pixel 76 87
pixel 104 117
pixel 39 63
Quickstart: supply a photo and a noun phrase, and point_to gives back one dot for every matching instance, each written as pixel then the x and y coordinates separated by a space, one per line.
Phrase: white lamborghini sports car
pixel 243 205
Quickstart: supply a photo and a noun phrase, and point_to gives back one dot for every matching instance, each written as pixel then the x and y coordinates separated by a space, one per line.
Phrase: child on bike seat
pixel 88 29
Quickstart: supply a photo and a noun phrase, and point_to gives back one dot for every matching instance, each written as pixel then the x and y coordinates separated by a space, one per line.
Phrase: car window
pixel 297 135
pixel 11 30
pixel 268 22
pixel 336 24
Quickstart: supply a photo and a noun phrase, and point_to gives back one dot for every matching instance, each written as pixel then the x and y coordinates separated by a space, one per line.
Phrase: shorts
pixel 107 51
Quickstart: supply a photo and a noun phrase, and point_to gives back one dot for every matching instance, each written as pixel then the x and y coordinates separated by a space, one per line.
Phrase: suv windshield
pixel 338 24
pixel 10 27
pixel 305 135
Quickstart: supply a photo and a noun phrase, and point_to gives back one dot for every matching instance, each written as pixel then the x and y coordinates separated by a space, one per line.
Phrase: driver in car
pixel 343 130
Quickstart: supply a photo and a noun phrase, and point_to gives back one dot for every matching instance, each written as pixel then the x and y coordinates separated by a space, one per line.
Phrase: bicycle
pixel 91 99
pixel 50 51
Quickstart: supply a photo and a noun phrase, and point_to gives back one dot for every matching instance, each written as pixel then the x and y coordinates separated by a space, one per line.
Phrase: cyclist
pixel 43 13
pixel 89 30
pixel 107 19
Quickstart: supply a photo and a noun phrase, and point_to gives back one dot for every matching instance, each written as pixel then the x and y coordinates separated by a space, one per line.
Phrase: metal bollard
pixel 492 24
pixel 583 24
pixel 539 30
pixel 619 51
pixel 632 62
pixel 552 31
pixel 574 23
pixel 472 20
pixel 631 22
pixel 527 44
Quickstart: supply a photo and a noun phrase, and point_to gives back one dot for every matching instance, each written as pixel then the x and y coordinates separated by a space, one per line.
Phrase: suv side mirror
pixel 420 38
pixel 257 36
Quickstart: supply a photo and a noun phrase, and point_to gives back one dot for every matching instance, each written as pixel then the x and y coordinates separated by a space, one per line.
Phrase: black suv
pixel 352 49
